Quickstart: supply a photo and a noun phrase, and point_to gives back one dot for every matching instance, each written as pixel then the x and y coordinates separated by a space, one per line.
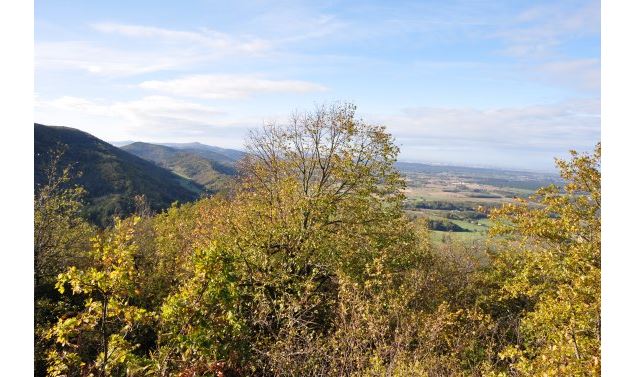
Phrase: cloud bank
pixel 228 86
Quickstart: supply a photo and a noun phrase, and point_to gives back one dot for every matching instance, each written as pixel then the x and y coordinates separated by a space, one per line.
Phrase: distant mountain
pixel 120 144
pixel 207 167
pixel 417 167
pixel 209 151
pixel 111 176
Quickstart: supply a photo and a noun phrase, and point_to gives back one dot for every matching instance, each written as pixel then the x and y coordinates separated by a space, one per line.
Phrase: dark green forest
pixel 110 176
pixel 304 263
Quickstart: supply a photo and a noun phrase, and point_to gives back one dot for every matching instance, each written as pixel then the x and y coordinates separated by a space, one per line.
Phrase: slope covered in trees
pixel 110 176
pixel 209 169
pixel 310 267
pixel 225 155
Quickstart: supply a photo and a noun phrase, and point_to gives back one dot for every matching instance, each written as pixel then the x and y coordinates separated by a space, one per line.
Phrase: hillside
pixel 111 176
pixel 205 167
pixel 209 151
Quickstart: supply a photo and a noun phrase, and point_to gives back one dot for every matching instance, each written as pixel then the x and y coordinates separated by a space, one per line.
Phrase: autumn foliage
pixel 308 266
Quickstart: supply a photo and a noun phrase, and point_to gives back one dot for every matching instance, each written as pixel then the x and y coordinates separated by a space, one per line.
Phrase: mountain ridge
pixel 207 168
pixel 111 176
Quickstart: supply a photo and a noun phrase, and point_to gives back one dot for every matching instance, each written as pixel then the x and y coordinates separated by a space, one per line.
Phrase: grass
pixel 438 237
pixel 475 231
pixel 465 192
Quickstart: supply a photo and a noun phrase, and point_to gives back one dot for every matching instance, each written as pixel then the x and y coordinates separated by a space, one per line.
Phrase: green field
pixel 438 237
pixel 453 200
pixel 476 229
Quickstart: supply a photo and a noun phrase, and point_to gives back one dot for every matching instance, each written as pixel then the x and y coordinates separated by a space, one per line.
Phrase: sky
pixel 508 84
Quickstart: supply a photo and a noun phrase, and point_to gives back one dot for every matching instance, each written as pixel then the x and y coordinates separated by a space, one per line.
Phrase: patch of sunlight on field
pixel 438 237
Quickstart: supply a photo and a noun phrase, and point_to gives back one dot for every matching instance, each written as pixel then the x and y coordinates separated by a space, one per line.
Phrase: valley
pixel 455 199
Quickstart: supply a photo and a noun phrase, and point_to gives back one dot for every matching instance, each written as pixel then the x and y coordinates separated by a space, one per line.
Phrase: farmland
pixel 455 200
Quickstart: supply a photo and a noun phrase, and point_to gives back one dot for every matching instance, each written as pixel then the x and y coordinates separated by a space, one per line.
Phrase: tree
pixel 97 338
pixel 546 273
pixel 318 209
pixel 61 238
pixel 338 172
pixel 61 234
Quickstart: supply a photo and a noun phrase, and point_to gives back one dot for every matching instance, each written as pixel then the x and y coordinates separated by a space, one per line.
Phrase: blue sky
pixel 507 84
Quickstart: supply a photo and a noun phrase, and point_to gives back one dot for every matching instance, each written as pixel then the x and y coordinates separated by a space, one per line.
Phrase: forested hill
pixel 209 151
pixel 208 168
pixel 112 177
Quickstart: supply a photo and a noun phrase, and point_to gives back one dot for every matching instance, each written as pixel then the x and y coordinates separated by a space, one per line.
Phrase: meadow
pixel 456 200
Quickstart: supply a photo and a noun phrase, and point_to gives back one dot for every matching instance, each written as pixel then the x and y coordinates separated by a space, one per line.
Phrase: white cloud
pixel 151 119
pixel 300 25
pixel 539 31
pixel 527 137
pixel 221 42
pixel 70 103
pixel 577 73
pixel 228 86
pixel 100 60
pixel 150 103
pixel 541 126
pixel 162 49
pixel 139 115
pixel 165 107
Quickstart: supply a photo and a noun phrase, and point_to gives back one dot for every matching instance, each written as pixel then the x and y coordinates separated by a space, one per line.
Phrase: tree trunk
pixel 104 335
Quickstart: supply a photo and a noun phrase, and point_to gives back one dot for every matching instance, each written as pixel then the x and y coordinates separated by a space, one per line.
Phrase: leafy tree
pixel 61 237
pixel 97 339
pixel 61 234
pixel 319 203
pixel 547 274
pixel 338 171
